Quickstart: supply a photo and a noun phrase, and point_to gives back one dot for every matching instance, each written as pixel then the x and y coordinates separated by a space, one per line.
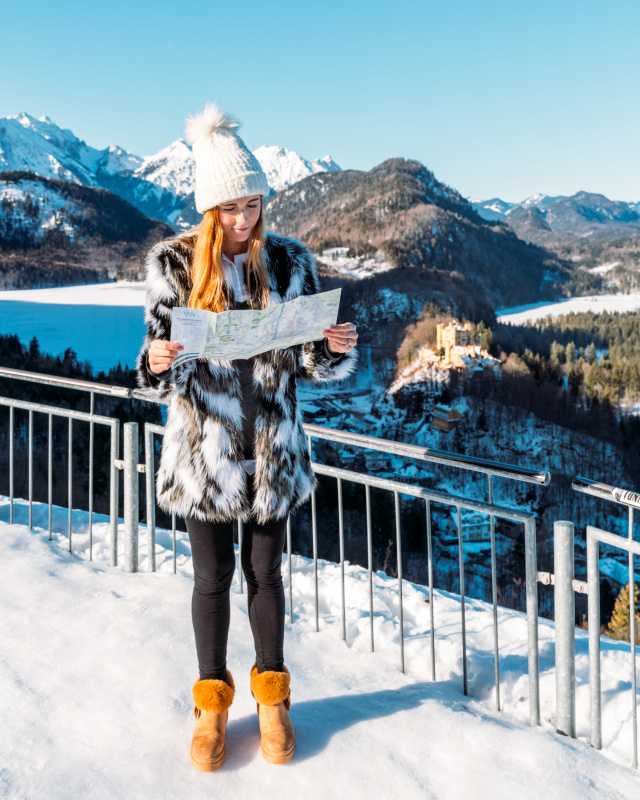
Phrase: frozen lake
pixel 103 323
pixel 520 315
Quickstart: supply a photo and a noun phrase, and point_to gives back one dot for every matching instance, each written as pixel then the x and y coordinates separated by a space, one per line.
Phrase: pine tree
pixel 619 624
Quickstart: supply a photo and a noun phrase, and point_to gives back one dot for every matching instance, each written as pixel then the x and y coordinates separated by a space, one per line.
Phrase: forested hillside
pixel 421 226
pixel 56 233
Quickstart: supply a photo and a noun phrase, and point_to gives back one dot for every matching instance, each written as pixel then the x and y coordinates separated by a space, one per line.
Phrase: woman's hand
pixel 341 338
pixel 162 354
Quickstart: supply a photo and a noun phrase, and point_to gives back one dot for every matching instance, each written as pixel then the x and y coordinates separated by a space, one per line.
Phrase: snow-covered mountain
pixel 285 167
pixel 35 145
pixel 539 200
pixel 567 212
pixel 160 185
pixel 172 168
pixel 115 160
pixel 495 208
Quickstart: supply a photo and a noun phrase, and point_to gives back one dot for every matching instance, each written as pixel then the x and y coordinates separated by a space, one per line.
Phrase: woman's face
pixel 238 217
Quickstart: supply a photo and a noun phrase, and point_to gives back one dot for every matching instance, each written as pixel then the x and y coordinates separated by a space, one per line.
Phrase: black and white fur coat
pixel 200 472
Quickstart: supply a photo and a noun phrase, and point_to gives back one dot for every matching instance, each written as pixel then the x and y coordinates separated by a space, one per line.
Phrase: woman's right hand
pixel 162 354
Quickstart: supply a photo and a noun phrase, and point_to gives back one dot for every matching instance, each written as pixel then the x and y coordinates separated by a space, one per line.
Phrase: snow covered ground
pixel 520 315
pixel 115 293
pixel 103 322
pixel 356 266
pixel 96 669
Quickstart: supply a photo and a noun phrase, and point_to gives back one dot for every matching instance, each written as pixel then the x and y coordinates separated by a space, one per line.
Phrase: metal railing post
pixel 531 577
pixel 113 493
pixel 593 596
pixel 149 473
pixel 565 630
pixel 632 640
pixel 130 458
pixel 30 469
pixel 11 465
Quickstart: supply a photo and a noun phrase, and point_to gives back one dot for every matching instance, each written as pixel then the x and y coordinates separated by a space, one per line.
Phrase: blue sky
pixel 497 98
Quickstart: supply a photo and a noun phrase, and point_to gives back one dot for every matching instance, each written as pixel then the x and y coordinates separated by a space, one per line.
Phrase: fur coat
pixel 200 472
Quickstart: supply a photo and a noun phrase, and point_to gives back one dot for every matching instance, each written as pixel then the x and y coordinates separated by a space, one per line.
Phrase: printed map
pixel 242 334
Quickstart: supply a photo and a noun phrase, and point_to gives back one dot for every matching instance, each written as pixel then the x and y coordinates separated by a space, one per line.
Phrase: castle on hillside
pixel 456 335
pixel 460 348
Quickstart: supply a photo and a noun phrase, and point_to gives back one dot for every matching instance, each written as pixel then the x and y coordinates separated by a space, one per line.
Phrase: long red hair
pixel 207 269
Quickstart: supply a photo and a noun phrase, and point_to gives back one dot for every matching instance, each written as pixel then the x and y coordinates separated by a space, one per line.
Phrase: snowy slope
pixel 172 168
pixel 40 146
pixel 337 258
pixel 37 208
pixel 284 167
pixel 597 303
pixel 96 700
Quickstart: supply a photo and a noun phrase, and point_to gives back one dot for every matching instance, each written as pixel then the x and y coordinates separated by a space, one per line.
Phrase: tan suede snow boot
pixel 273 696
pixel 212 699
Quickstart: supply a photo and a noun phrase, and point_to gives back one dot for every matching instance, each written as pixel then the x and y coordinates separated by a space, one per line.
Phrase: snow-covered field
pixel 356 266
pixel 520 315
pixel 103 322
pixel 96 669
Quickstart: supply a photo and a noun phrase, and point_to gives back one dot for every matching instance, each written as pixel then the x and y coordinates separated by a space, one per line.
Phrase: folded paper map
pixel 242 334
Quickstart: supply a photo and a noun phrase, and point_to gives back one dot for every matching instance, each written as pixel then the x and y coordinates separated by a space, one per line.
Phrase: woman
pixel 233 445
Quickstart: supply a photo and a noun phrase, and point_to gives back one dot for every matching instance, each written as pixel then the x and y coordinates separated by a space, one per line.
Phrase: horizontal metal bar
pixel 612 539
pixel 613 493
pixel 422 453
pixel 472 463
pixel 428 454
pixel 58 412
pixel 69 383
pixel 426 494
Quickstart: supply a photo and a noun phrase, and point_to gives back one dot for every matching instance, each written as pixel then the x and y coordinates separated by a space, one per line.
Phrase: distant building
pixel 445 418
pixel 455 335
pixel 376 459
pixel 462 349
pixel 475 528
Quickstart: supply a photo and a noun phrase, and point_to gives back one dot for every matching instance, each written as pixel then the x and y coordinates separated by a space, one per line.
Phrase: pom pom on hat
pixel 225 167
pixel 200 126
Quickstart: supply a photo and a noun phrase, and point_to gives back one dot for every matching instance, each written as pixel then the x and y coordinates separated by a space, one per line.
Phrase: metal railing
pixel 490 468
pixel 595 536
pixel 92 419
pixel 563 580
pixel 131 469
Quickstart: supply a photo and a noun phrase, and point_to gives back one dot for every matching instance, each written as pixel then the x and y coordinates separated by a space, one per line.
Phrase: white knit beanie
pixel 225 167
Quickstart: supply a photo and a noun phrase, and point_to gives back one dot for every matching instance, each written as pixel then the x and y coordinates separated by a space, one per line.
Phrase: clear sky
pixel 497 98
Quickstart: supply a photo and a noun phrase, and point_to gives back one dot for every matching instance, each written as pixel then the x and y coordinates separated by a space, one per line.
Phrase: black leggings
pixel 213 568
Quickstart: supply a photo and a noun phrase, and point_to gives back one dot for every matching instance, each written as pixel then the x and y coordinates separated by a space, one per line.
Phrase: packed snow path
pixel 96 669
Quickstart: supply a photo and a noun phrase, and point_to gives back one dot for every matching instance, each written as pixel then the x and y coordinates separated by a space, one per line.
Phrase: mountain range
pixel 598 236
pixel 360 223
pixel 581 214
pixel 160 185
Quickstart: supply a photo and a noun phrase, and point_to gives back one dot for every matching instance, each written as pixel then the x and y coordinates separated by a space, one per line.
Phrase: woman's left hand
pixel 341 338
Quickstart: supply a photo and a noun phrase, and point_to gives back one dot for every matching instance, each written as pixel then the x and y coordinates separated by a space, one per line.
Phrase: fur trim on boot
pixel 273 696
pixel 212 700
